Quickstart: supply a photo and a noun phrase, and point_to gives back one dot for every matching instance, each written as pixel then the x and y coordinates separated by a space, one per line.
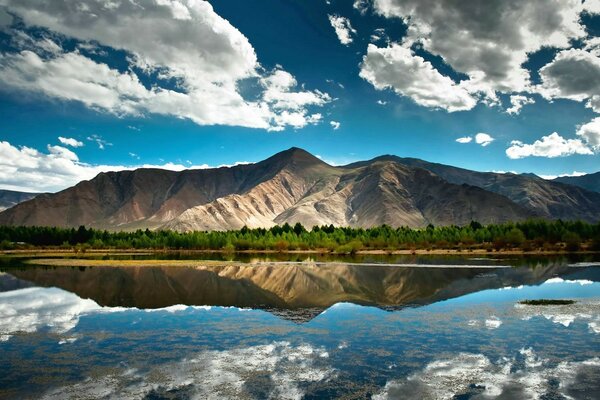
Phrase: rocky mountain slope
pixel 10 198
pixel 294 186
pixel 589 181
pixel 544 198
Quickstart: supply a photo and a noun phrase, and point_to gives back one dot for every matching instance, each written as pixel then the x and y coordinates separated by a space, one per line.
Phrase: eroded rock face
pixel 294 186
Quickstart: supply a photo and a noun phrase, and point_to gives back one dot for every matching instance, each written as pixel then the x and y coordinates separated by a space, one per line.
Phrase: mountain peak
pixel 295 156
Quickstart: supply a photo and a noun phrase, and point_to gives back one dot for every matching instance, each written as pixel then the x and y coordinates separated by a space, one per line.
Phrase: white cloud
pixel 99 141
pixel 343 28
pixel 396 67
pixel 555 145
pixel 489 43
pixel 335 125
pixel 181 41
pixel 465 139
pixel 483 139
pixel 574 173
pixel 379 34
pixel 590 132
pixel 362 6
pixel 594 103
pixel 549 146
pixel 279 95
pixel 27 169
pixel 70 141
pixel 517 102
pixel 314 118
pixel 382 102
pixel 573 74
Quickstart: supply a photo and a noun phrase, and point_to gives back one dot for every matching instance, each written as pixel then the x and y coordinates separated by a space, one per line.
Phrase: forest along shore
pixel 509 238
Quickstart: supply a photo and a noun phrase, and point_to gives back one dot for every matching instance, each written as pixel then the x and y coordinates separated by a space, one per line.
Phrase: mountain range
pixel 295 186
pixel 10 198
pixel 588 181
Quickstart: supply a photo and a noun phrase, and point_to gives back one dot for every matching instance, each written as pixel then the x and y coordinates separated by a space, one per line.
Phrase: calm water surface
pixel 317 328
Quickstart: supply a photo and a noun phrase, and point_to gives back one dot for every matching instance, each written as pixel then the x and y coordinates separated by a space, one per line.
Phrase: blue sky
pixel 185 83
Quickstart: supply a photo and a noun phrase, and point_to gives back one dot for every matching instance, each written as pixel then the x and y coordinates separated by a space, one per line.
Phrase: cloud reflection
pixel 32 309
pixel 526 376
pixel 277 370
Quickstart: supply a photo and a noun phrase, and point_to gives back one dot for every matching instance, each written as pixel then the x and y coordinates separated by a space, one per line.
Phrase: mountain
pixel 543 198
pixel 10 198
pixel 295 186
pixel 589 181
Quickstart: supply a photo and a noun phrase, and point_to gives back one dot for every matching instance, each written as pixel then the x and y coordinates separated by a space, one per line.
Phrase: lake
pixel 311 327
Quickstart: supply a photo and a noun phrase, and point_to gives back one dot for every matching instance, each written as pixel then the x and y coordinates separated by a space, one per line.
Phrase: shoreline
pixel 321 252
pixel 208 264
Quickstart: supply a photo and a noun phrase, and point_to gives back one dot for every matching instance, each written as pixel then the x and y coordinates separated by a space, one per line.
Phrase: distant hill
pixel 9 198
pixel 589 181
pixel 295 186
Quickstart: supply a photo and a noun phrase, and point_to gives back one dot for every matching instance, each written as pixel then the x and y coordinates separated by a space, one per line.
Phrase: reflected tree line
pixel 529 236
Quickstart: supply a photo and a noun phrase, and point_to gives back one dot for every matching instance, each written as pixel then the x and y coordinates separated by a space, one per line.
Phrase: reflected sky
pixel 464 334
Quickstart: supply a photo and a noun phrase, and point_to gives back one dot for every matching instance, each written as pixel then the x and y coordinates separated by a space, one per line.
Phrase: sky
pixel 488 85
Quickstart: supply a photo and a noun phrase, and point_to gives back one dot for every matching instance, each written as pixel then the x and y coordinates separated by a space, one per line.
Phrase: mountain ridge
pixel 10 198
pixel 587 181
pixel 296 186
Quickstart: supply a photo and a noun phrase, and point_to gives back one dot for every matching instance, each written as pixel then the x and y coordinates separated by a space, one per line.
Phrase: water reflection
pixel 291 286
pixel 71 333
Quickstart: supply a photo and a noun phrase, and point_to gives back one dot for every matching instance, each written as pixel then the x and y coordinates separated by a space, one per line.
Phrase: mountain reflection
pixel 285 287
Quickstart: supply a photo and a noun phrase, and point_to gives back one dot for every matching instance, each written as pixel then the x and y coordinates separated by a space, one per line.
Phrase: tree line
pixel 527 235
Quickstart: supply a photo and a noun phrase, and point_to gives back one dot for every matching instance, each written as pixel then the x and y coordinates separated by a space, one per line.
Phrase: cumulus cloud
pixel 335 125
pixel 465 139
pixel 491 43
pixel 397 68
pixel 27 169
pixel 549 146
pixel 573 74
pixel 590 133
pixel 70 142
pixel 594 103
pixel 517 102
pixel 184 42
pixel 292 106
pixel 343 28
pixel 483 139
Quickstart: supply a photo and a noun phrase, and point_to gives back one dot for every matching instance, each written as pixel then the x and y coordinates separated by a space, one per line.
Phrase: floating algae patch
pixel 547 302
